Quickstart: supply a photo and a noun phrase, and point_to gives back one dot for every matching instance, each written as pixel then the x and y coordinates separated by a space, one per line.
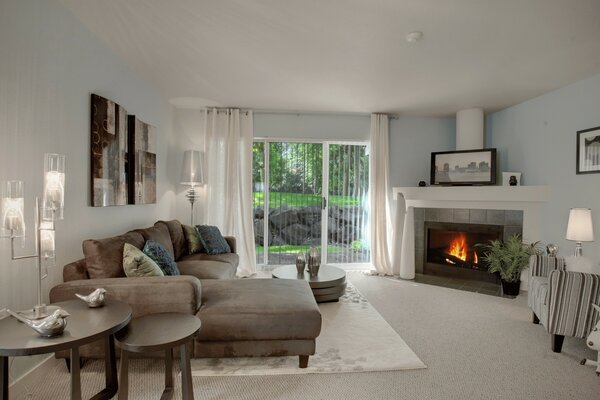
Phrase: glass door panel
pixel 348 185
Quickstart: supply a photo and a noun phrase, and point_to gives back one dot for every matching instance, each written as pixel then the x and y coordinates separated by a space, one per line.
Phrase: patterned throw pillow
pixel 212 240
pixel 162 257
pixel 193 239
pixel 136 263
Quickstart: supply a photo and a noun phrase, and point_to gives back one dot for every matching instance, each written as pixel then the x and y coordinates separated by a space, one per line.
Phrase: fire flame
pixel 458 247
pixel 475 258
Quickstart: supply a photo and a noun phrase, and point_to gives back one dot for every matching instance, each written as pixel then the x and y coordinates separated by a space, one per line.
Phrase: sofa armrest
pixel 569 299
pixel 231 242
pixel 145 295
pixel 75 271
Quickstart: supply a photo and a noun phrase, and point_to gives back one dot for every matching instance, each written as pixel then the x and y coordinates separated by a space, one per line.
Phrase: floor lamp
pixel 12 221
pixel 192 176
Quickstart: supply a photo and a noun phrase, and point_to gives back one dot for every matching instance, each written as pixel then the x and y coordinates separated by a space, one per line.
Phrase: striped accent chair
pixel 562 300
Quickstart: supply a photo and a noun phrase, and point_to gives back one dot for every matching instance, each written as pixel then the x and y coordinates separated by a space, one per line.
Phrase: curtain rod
pixel 297 113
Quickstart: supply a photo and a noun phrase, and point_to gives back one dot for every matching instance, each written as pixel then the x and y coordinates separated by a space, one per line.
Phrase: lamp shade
pixel 54 187
pixel 12 205
pixel 191 169
pixel 580 228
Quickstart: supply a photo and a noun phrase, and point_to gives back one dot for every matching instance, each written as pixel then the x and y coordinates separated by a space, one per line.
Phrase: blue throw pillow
pixel 162 257
pixel 212 240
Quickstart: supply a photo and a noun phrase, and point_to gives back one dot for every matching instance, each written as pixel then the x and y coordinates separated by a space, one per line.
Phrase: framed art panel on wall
pixel 464 167
pixel 588 151
pixel 108 153
pixel 142 162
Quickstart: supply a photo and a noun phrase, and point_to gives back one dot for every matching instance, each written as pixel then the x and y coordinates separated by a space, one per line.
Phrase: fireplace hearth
pixel 451 249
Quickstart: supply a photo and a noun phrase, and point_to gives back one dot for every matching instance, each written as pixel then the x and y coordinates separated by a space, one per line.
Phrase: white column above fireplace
pixel 530 199
pixel 469 129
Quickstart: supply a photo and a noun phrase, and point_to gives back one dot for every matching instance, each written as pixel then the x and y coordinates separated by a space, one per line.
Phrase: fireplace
pixel 451 251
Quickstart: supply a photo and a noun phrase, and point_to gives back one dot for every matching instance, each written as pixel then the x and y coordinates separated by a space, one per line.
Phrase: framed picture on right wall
pixel 588 151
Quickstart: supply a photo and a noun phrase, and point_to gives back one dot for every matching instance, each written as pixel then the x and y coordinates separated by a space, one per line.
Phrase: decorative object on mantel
pixel 552 250
pixel 588 151
pixel 141 160
pixel 314 261
pixel 511 179
pixel 191 175
pixel 94 299
pixel 580 228
pixel 300 262
pixel 50 326
pixel 12 222
pixel 422 184
pixel 464 168
pixel 509 259
pixel 593 342
pixel 108 152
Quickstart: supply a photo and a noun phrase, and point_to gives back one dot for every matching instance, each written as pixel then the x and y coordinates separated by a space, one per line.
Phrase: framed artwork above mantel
pixel 588 151
pixel 464 167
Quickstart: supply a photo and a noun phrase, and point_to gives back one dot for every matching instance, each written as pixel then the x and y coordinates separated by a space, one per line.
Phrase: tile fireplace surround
pixel 514 205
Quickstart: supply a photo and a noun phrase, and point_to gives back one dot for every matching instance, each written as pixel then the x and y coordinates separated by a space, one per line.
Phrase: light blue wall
pixel 49 65
pixel 412 139
pixel 538 138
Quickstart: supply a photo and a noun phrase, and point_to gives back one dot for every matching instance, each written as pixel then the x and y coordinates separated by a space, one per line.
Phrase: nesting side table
pixel 85 325
pixel 159 332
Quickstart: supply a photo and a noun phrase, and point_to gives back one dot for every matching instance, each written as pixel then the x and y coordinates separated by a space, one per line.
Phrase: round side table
pixel 159 332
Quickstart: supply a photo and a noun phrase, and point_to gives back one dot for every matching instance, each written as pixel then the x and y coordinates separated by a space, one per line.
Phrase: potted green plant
pixel 508 259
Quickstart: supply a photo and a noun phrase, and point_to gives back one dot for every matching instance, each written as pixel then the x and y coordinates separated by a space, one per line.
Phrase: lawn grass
pixel 288 248
pixel 277 199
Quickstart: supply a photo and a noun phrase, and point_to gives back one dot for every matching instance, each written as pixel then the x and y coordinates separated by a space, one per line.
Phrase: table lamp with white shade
pixel 580 228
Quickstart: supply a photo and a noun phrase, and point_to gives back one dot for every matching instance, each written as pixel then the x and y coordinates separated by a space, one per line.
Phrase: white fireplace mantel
pixel 530 199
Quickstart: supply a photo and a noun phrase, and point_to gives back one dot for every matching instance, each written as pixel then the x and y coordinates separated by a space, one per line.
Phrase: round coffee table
pixel 328 285
pixel 159 332
pixel 85 325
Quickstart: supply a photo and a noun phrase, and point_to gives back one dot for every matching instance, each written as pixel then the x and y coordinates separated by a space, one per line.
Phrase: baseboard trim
pixel 18 388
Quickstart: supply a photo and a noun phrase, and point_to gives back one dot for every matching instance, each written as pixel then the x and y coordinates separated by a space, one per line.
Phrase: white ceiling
pixel 350 55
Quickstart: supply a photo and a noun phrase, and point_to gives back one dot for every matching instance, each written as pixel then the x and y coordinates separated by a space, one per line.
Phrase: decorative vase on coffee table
pixel 314 261
pixel 300 263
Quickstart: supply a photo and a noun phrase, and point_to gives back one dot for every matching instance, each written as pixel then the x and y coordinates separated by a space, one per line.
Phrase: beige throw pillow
pixel 136 263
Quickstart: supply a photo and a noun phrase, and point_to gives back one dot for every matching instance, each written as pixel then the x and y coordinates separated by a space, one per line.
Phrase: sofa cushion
pixel 104 257
pixel 212 240
pixel 159 234
pixel 206 269
pixel 258 309
pixel 177 237
pixel 537 297
pixel 162 257
pixel 230 258
pixel 192 238
pixel 136 263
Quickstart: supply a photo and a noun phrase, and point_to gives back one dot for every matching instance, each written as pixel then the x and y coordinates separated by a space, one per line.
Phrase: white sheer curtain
pixel 228 150
pixel 380 195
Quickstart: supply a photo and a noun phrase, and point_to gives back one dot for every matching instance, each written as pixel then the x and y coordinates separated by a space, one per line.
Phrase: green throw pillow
pixel 136 263
pixel 193 239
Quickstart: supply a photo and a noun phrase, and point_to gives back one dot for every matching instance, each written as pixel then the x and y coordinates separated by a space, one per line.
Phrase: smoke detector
pixel 414 36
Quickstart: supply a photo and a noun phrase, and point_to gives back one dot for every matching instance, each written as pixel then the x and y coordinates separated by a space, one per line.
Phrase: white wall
pixel 538 138
pixel 49 65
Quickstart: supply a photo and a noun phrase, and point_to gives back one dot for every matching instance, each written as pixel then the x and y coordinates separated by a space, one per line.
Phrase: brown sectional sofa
pixel 240 317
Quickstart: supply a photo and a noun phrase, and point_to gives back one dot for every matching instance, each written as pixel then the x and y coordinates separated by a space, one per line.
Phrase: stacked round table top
pixel 328 285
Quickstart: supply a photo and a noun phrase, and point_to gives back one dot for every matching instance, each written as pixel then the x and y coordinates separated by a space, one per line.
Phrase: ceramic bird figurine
pixel 94 299
pixel 52 325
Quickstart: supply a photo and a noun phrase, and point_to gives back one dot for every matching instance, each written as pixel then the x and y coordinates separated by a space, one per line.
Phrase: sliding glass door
pixel 310 194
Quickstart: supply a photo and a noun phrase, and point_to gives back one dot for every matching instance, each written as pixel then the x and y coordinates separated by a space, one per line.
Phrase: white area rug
pixel 354 338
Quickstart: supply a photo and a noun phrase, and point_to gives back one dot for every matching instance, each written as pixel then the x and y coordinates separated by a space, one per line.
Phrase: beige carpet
pixel 475 347
pixel 354 338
